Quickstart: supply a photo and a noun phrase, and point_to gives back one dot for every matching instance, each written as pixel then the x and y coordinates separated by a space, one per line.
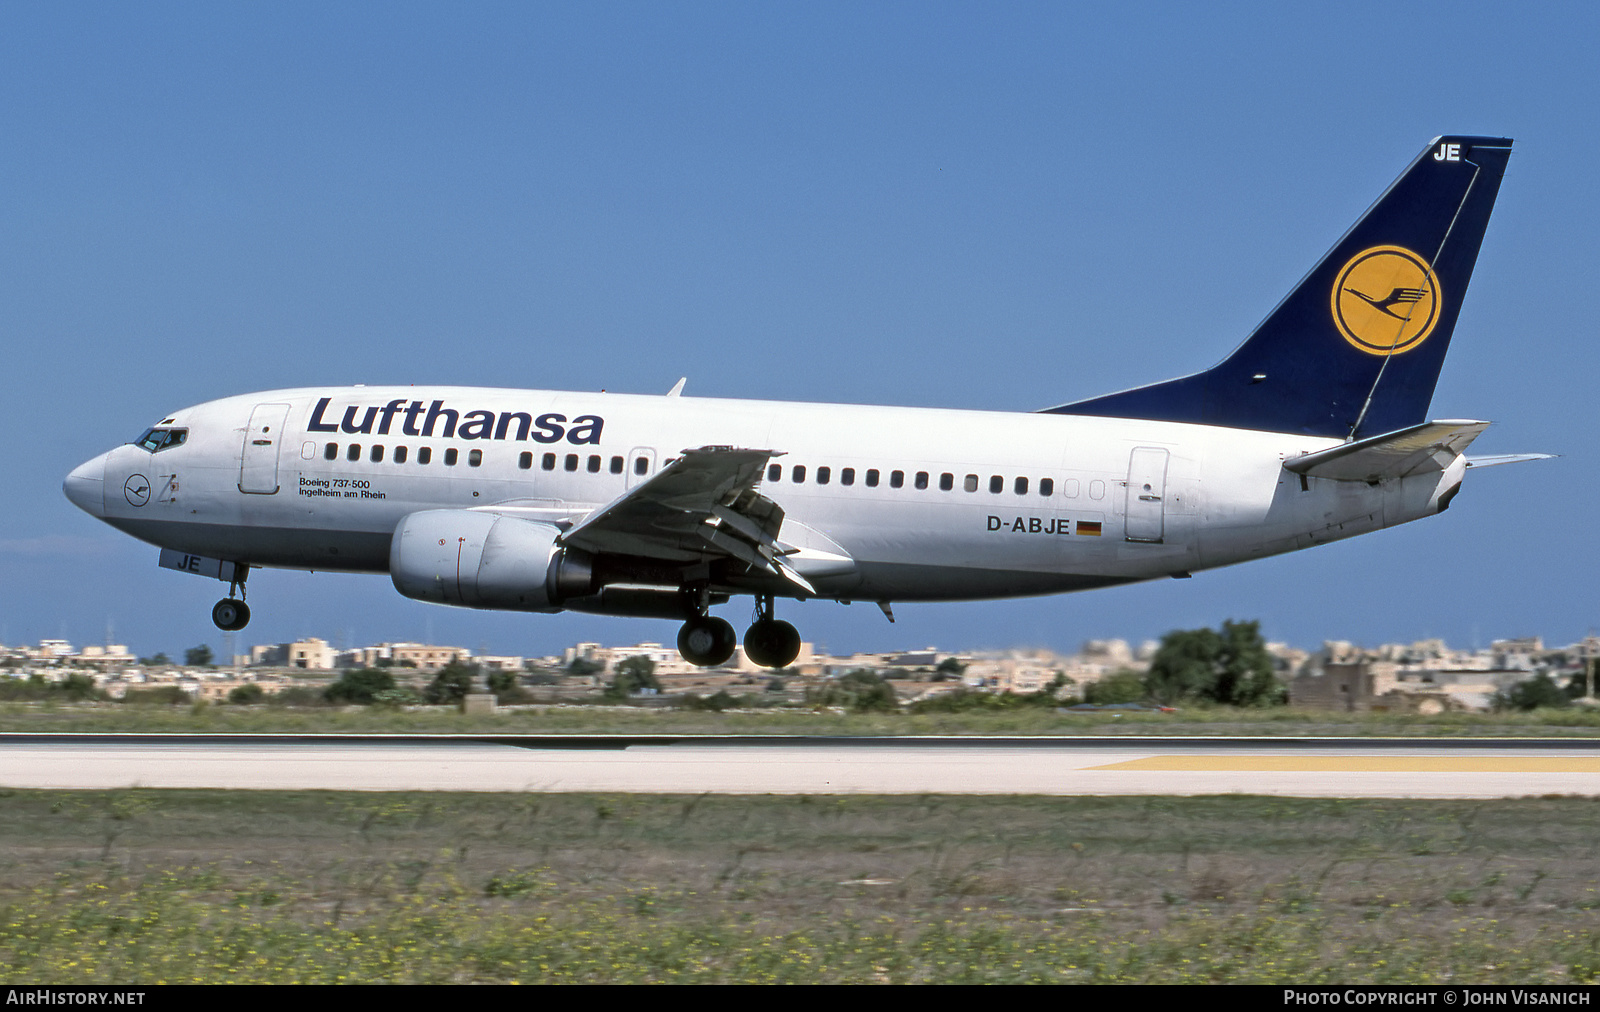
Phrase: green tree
pixel 161 695
pixel 632 675
pixel 245 695
pixel 198 657
pixel 297 695
pixel 1121 686
pixel 949 668
pixel 1231 667
pixel 1540 691
pixel 358 685
pixel 861 691
pixel 74 688
pixel 584 666
pixel 158 661
pixel 394 699
pixel 451 683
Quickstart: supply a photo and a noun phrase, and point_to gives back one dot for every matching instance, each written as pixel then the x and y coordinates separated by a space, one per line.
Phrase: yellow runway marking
pixel 1362 764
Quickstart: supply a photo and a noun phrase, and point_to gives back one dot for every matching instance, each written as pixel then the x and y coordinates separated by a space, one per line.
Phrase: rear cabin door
pixel 1147 491
pixel 258 461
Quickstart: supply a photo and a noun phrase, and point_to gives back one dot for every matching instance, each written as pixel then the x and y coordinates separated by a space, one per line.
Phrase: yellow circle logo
pixel 1386 300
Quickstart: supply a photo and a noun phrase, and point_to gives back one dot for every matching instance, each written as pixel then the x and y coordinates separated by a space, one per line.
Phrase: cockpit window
pixel 161 439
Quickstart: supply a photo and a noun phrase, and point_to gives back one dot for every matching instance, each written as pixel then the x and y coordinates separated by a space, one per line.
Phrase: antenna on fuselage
pixel 677 388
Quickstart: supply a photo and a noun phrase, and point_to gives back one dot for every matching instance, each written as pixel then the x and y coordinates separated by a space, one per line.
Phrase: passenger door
pixel 1145 518
pixel 258 461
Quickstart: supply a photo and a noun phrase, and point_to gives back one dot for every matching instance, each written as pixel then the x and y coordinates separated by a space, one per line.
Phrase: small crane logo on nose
pixel 137 490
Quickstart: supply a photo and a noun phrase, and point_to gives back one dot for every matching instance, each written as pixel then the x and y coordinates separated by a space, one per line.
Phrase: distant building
pixel 1368 686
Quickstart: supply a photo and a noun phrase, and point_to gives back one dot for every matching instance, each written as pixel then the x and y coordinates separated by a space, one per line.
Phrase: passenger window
pixel 799 473
pixel 450 457
pixel 330 452
pixel 997 484
pixel 549 462
pixel 1069 488
pixel 641 466
pixel 847 476
pixel 947 481
pixel 897 479
pixel 308 450
pixel 1021 486
pixel 922 479
pixel 354 453
pixel 1097 489
pixel 424 454
pixel 474 458
pixel 399 455
pixel 377 453
pixel 970 483
pixel 571 463
pixel 872 477
pixel 525 460
pixel 774 471
pixel 594 464
pixel 824 475
pixel 1047 486
pixel 616 465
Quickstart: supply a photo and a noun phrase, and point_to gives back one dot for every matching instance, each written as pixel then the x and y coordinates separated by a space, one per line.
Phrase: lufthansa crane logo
pixel 136 490
pixel 1386 300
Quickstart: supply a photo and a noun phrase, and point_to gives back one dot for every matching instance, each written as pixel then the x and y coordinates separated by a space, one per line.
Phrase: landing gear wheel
pixel 772 643
pixel 229 614
pixel 706 641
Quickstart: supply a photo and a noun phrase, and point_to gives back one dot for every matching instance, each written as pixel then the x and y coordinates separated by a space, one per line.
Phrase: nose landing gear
pixel 230 614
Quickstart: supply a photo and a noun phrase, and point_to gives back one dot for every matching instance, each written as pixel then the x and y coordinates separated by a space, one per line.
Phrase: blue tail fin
pixel 1355 350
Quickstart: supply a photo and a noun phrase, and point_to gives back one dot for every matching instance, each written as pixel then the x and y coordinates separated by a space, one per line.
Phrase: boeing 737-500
pixel 1312 430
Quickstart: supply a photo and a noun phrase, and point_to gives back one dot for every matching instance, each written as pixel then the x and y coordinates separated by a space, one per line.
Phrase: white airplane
pixel 1313 430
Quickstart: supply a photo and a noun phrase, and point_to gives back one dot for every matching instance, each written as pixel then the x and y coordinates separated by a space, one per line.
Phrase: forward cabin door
pixel 258 461
pixel 1147 492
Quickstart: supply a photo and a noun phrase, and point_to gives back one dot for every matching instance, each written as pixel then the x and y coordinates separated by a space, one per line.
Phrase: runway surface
pixel 1383 768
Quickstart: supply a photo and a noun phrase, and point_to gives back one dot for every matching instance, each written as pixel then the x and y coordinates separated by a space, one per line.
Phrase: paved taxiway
pixel 1071 766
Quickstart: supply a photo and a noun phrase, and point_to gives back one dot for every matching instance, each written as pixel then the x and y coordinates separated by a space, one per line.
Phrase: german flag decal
pixel 1089 527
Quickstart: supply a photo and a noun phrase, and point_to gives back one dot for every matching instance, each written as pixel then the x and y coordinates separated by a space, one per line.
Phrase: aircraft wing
pixel 702 504
pixel 1430 446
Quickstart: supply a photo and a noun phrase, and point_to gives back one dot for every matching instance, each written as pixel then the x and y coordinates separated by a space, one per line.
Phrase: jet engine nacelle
pixel 483 560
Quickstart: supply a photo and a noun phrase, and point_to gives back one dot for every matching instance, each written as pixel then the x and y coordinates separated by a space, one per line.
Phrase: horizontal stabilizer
pixel 1431 446
pixel 1508 458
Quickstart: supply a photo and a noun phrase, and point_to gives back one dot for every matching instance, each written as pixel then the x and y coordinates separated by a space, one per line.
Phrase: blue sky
pixel 968 205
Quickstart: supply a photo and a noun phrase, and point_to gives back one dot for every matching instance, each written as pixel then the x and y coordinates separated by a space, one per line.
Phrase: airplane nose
pixel 85 486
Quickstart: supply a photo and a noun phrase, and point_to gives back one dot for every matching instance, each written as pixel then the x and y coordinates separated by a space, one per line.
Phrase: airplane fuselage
pixel 884 503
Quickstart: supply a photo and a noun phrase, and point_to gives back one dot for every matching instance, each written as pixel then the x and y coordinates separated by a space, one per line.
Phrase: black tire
pixel 772 643
pixel 706 641
pixel 230 615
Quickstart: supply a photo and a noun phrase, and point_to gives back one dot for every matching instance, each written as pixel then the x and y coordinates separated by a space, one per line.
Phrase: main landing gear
pixel 771 642
pixel 707 641
pixel 231 614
